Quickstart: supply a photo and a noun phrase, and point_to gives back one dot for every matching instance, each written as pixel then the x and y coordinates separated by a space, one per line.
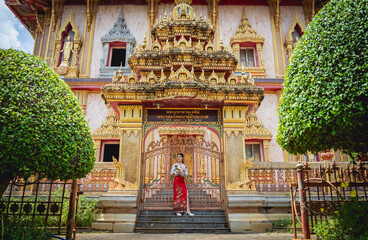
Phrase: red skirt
pixel 180 195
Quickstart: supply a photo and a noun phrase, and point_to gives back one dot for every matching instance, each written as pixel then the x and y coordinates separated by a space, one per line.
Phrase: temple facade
pixel 158 78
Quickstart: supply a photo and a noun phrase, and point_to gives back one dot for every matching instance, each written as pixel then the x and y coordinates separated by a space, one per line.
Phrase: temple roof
pixel 32 13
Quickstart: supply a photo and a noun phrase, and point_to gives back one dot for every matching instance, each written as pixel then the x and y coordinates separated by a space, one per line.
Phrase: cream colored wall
pixel 287 14
pixel 259 18
pixel 267 114
pixel 135 18
pixel 96 111
pixel 79 15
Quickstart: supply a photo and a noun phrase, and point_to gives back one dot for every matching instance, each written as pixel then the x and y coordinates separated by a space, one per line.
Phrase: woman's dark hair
pixel 182 155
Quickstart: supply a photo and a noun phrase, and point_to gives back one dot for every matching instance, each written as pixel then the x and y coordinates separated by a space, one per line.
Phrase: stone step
pixel 196 218
pixel 183 230
pixel 164 221
pixel 170 212
pixel 179 224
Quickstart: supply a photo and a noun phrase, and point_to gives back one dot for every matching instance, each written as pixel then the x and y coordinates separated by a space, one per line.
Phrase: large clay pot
pixel 327 156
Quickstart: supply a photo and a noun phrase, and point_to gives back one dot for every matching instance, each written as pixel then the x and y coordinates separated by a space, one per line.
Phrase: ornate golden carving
pixel 109 128
pixel 152 78
pixel 246 34
pixel 181 131
pixel 254 129
pixel 120 183
pixel 130 113
pixel 289 43
pixel 244 183
pixel 72 48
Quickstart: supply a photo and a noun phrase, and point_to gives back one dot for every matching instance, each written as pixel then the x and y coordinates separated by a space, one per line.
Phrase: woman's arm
pixel 173 171
pixel 186 171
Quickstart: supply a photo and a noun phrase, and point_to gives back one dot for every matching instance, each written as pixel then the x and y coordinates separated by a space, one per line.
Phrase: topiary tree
pixel 324 103
pixel 42 128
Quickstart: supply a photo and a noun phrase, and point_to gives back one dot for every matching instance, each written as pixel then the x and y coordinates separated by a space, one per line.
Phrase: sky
pixel 12 32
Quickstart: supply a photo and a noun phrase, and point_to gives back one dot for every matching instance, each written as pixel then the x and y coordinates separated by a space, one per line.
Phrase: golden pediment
pixel 245 32
pixel 254 129
pixel 109 128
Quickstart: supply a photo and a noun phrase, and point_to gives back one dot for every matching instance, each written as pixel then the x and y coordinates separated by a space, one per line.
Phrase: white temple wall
pixel 135 18
pixel 267 114
pixel 259 18
pixel 96 111
pixel 287 14
pixel 79 15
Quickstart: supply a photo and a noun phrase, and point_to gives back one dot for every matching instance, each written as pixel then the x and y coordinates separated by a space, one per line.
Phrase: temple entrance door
pixel 203 181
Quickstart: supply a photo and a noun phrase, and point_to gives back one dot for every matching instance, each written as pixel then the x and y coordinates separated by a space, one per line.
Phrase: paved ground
pixel 183 236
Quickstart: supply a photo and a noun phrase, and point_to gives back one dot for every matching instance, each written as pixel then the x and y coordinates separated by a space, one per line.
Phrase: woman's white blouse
pixel 183 168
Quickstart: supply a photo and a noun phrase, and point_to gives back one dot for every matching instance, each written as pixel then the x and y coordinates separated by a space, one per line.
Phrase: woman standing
pixel 181 197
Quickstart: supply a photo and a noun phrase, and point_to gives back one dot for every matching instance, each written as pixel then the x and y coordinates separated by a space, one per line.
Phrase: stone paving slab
pixel 184 236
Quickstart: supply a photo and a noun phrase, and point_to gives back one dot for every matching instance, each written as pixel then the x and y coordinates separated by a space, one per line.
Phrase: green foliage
pixel 283 225
pixel 23 229
pixel 42 128
pixel 350 223
pixel 324 103
pixel 87 210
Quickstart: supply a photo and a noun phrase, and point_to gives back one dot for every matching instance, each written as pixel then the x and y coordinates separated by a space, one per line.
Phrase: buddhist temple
pixel 159 77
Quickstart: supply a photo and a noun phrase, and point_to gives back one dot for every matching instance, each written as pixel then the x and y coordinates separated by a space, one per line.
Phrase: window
pixel 247 57
pixel 253 151
pixel 109 150
pixel 118 57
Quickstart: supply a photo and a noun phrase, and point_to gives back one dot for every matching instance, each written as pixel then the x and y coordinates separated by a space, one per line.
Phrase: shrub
pixel 43 131
pixel 324 101
pixel 350 223
pixel 23 229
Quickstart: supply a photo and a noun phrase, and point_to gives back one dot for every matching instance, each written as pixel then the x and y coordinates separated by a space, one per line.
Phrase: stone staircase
pixel 164 221
pixel 200 198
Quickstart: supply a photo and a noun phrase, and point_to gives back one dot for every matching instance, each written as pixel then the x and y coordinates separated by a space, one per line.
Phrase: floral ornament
pixel 353 194
pixel 344 184
pixel 178 167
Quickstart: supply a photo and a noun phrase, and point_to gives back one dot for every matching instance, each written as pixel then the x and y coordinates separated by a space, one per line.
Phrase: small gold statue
pixel 67 49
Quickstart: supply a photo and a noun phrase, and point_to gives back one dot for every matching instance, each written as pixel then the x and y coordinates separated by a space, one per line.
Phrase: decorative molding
pixel 119 33
pixel 289 41
pixel 82 96
pixel 309 10
pixel 129 131
pixel 275 12
pixel 244 183
pixel 254 129
pixel 120 184
pixel 63 68
pixel 181 131
pixel 130 113
pixel 234 114
pixel 109 128
pixel 245 34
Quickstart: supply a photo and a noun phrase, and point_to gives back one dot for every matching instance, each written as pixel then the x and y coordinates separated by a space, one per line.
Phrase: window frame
pixel 261 149
pixel 249 45
pixel 254 56
pixel 102 151
pixel 112 46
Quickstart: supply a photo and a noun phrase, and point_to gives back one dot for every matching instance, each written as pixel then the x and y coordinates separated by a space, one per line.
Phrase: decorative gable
pixel 247 43
pixel 118 37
